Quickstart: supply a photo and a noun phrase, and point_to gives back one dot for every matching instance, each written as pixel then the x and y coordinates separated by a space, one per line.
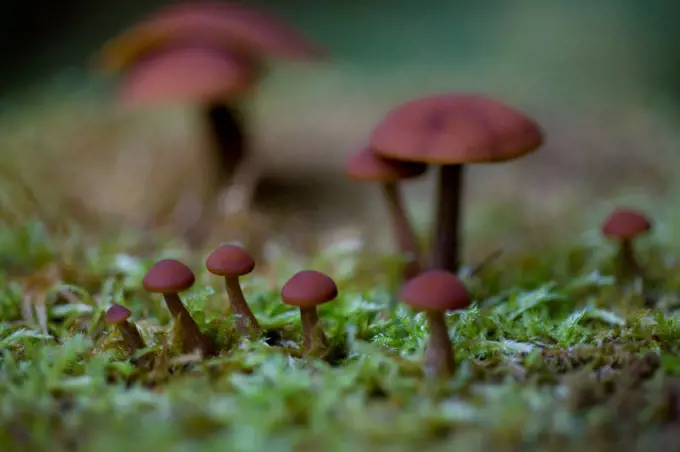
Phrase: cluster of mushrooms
pixel 434 292
pixel 212 54
pixel 448 130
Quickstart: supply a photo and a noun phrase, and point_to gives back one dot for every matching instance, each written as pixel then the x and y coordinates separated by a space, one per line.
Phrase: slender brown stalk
pixel 313 335
pixel 245 319
pixel 192 338
pixel 439 358
pixel 446 249
pixel 403 230
pixel 131 337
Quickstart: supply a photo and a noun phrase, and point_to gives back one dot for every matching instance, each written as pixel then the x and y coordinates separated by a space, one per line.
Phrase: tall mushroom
pixel 232 262
pixel 366 166
pixel 169 277
pixel 437 291
pixel 243 35
pixel 452 130
pixel 306 290
pixel 624 225
pixel 191 73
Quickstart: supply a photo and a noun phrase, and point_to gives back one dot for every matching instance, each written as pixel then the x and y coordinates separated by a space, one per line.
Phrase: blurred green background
pixel 600 76
pixel 42 37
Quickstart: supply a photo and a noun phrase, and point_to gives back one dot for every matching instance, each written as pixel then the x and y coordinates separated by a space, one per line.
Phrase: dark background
pixel 38 37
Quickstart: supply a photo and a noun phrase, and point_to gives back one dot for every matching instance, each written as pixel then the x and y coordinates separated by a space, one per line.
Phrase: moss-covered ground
pixel 554 354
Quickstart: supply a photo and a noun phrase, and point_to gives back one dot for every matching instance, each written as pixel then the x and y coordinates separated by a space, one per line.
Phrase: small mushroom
pixel 436 291
pixel 624 225
pixel 453 130
pixel 306 290
pixel 366 166
pixel 169 277
pixel 232 262
pixel 118 316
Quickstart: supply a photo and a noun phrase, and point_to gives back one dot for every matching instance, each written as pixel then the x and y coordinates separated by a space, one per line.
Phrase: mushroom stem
pixel 446 250
pixel 627 263
pixel 131 338
pixel 310 328
pixel 174 304
pixel 191 333
pixel 240 307
pixel 403 230
pixel 226 129
pixel 439 359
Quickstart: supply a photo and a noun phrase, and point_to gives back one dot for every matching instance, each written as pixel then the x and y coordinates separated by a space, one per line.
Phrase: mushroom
pixel 243 35
pixel 624 225
pixel 452 130
pixel 366 166
pixel 306 290
pixel 232 262
pixel 231 26
pixel 169 277
pixel 118 315
pixel 436 291
pixel 186 73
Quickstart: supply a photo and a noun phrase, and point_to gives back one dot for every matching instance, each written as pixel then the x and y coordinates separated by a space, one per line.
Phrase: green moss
pixel 553 355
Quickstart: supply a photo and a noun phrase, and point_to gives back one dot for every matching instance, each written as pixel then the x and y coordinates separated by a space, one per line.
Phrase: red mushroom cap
pixel 367 166
pixel 455 129
pixel 625 224
pixel 233 26
pixel 230 261
pixel 435 290
pixel 117 314
pixel 185 74
pixel 168 276
pixel 309 288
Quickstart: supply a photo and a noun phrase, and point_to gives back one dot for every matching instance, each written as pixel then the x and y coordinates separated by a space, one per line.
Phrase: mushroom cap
pixel 168 276
pixel 309 288
pixel 625 224
pixel 230 261
pixel 234 27
pixel 455 129
pixel 367 166
pixel 185 74
pixel 116 314
pixel 435 290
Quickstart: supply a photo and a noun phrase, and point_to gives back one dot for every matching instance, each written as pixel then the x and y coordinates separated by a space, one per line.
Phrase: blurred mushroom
pixel 232 262
pixel 118 315
pixel 452 130
pixel 231 26
pixel 186 73
pixel 243 35
pixel 170 277
pixel 437 291
pixel 306 290
pixel 624 225
pixel 366 166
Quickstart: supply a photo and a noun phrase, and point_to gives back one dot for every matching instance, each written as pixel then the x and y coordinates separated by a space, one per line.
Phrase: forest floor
pixel 554 354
